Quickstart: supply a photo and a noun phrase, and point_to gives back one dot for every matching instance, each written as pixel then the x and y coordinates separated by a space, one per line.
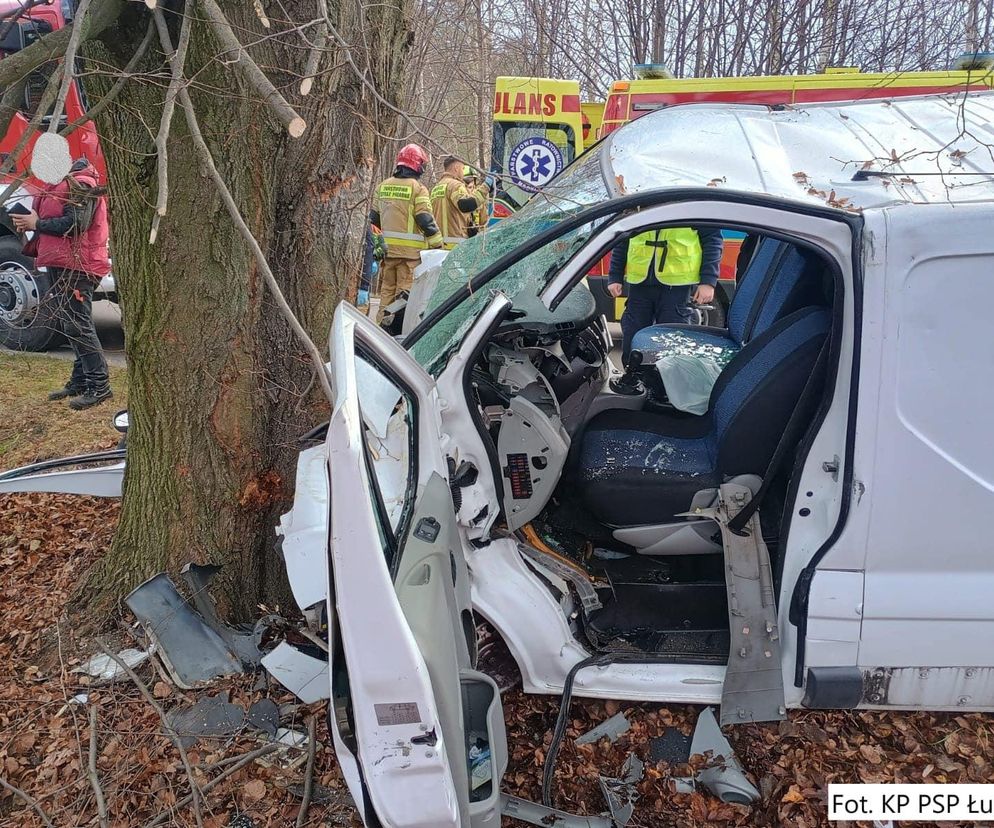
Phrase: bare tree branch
pixel 314 56
pixel 305 802
pixel 91 771
pixel 114 91
pixel 252 74
pixel 251 756
pixel 27 800
pixel 177 62
pixel 260 12
pixel 69 62
pixel 173 737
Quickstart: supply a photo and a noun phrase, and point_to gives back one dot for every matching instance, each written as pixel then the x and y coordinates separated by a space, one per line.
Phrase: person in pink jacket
pixel 70 240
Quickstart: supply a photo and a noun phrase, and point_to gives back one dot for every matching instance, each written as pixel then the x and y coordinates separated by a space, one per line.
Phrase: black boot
pixel 70 389
pixel 93 395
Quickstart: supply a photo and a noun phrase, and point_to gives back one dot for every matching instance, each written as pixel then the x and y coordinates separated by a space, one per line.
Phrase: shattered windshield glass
pixel 580 185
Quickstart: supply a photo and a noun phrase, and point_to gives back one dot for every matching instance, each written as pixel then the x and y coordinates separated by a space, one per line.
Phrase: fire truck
pixel 26 308
pixel 540 126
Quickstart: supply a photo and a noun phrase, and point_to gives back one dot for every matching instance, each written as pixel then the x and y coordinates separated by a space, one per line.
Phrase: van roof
pixel 928 149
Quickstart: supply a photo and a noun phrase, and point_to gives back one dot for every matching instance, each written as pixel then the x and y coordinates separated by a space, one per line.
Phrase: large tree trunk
pixel 219 387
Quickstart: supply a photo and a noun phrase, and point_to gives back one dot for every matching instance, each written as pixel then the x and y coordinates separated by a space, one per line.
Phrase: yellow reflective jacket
pixel 674 251
pixel 398 201
pixel 453 220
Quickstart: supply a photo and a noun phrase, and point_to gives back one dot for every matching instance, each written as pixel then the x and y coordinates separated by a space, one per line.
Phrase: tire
pixel 27 310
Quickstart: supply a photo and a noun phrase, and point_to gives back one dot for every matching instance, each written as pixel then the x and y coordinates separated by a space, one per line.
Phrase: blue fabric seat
pixel 780 278
pixel 641 468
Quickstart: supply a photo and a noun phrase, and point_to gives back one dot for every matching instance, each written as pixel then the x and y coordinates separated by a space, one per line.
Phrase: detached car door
pixel 419 734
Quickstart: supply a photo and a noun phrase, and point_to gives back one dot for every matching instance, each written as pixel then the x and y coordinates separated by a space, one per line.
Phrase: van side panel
pixel 930 552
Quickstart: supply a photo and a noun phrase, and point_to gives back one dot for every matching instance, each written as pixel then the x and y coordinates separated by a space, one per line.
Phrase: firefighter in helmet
pixel 477 221
pixel 454 204
pixel 402 210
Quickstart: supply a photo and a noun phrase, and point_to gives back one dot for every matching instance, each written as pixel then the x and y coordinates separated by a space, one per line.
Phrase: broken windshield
pixel 579 186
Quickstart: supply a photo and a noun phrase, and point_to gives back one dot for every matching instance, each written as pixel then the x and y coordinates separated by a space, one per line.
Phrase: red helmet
pixel 413 157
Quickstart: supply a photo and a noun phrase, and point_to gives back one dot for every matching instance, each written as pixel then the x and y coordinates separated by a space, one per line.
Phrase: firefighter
pixel 453 204
pixel 660 268
pixel 478 221
pixel 402 210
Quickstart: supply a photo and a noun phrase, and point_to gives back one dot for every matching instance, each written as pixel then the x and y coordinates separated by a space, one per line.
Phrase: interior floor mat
pixel 689 619
pixel 686 647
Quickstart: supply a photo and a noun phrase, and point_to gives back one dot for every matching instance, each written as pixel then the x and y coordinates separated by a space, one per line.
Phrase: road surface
pixel 107 319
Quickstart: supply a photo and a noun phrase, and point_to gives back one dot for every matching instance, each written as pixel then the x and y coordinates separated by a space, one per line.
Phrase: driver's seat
pixel 640 468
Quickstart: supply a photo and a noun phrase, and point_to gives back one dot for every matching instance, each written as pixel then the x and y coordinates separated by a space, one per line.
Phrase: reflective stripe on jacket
pixel 398 201
pixel 452 220
pixel 674 253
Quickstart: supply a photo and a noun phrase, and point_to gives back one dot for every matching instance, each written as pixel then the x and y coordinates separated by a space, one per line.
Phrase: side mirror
pixel 120 421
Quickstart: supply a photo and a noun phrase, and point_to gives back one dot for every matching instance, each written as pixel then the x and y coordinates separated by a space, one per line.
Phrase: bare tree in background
pixel 598 41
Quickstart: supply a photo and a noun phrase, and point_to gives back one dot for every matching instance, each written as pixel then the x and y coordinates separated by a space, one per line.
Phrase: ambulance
pixel 540 126
pixel 628 100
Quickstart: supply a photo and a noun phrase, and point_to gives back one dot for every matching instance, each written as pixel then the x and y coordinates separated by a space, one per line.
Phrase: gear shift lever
pixel 629 382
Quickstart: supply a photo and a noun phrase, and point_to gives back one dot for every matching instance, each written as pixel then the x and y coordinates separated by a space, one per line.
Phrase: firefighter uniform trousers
pixel 396 276
pixel 399 203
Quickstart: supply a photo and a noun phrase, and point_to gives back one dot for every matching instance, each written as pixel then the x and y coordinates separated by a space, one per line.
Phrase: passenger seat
pixel 779 279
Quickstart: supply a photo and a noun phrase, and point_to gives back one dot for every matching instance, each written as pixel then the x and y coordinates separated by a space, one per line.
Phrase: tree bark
pixel 220 389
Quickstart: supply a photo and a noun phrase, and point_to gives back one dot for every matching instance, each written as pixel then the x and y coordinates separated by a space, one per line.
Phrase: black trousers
pixel 72 292
pixel 651 303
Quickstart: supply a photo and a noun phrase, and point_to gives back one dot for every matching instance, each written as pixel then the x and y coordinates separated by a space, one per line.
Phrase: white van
pixel 487 467
pixel 814 539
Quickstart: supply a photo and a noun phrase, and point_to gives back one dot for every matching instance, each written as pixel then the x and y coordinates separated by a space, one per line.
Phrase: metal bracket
pixel 753 687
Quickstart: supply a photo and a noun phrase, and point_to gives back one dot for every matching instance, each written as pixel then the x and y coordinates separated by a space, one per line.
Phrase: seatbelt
pixel 791 432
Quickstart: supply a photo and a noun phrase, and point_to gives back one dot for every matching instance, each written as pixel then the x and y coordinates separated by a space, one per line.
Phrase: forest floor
pixel 47 709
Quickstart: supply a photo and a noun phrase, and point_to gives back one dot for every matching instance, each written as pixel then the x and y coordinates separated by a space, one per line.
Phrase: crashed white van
pixel 816 538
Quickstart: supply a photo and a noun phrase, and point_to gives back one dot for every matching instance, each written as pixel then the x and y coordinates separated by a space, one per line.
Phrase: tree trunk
pixel 220 389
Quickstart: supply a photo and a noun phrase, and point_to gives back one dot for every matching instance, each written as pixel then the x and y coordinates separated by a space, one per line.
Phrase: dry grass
pixel 32 428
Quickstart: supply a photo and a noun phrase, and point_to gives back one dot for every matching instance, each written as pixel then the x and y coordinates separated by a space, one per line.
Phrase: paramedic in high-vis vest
pixel 402 210
pixel 454 204
pixel 661 267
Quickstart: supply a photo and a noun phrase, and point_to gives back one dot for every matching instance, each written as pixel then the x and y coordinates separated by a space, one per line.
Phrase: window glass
pixel 580 186
pixel 530 155
pixel 388 440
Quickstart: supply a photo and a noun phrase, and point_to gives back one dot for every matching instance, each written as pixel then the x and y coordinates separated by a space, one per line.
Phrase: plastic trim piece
pixel 753 688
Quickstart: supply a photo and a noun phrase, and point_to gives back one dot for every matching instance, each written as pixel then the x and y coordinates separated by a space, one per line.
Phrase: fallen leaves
pixel 871 754
pixel 254 790
pixel 47 543
pixel 793 795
